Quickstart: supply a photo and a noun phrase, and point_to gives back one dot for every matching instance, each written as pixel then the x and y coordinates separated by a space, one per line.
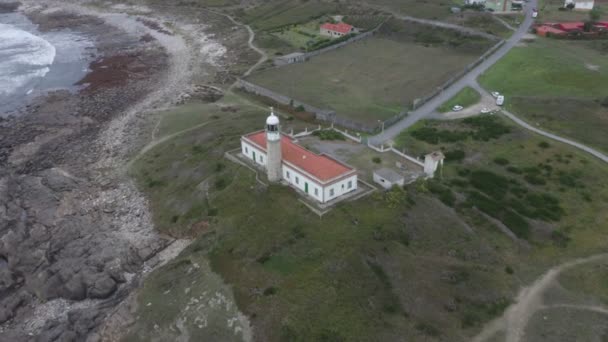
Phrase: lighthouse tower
pixel 273 148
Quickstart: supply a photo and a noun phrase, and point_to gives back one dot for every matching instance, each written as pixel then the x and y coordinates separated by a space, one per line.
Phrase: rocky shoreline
pixel 75 233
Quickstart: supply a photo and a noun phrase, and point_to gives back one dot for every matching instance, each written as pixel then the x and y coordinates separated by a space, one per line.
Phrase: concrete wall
pixel 385 183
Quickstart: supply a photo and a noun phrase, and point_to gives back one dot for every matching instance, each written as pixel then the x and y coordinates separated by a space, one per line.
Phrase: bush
pixel 454 156
pixel 509 270
pixel 517 224
pixel 493 185
pixel 560 238
pixel 377 160
pixel 329 134
pixel 300 108
pixel 514 170
pixel 543 144
pixel 427 329
pixel 501 161
pixel 220 183
pixel 269 291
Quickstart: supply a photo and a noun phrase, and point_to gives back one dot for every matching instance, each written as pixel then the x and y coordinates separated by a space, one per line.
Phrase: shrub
pixel 219 167
pixel 509 270
pixel 300 108
pixel 543 144
pixel 427 329
pixel 220 183
pixel 212 212
pixel 514 170
pixel 517 224
pixel 328 134
pixel 454 156
pixel 269 291
pixel 491 184
pixel 560 238
pixel 377 160
pixel 501 161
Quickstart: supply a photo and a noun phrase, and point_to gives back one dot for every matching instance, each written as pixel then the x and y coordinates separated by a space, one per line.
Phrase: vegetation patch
pixel 465 98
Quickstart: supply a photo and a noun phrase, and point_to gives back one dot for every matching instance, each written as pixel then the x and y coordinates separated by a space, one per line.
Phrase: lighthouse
pixel 273 146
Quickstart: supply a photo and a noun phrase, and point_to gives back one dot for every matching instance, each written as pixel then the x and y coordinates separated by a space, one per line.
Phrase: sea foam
pixel 24 57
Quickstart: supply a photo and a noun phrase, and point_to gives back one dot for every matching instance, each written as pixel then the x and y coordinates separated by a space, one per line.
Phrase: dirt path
pixel 528 302
pixel 263 54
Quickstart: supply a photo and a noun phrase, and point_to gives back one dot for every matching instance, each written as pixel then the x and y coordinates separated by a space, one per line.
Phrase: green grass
pixel 277 14
pixel 558 85
pixel 342 79
pixel 360 272
pixel 545 183
pixel 465 98
pixel 548 12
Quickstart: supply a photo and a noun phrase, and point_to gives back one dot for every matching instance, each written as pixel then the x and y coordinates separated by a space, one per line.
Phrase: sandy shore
pixel 75 233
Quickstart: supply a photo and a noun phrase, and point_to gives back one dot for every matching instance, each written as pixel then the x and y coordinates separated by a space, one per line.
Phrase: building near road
pixel 584 5
pixel 337 30
pixel 317 176
pixel 388 178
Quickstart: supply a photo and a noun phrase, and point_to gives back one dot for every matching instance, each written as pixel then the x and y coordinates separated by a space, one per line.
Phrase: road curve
pixel 457 86
pixel 582 147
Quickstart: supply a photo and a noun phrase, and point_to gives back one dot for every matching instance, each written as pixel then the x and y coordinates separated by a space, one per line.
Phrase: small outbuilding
pixel 388 178
pixel 431 162
pixel 337 30
pixel 296 57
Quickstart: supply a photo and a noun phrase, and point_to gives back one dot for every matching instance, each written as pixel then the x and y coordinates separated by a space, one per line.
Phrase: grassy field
pixel 483 22
pixel 432 9
pixel 415 264
pixel 548 11
pixel 276 14
pixel 465 98
pixel 538 189
pixel 559 85
pixel 361 84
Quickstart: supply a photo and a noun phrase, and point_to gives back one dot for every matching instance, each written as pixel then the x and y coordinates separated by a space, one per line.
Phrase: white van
pixel 500 100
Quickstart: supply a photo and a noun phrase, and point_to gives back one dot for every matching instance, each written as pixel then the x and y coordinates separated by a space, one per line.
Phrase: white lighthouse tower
pixel 273 148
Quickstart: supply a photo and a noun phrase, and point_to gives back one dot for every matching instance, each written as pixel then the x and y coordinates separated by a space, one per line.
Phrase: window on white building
pixel 316 192
pixel 246 150
pixel 350 184
pixel 331 192
pixel 297 180
pixel 287 174
pixel 261 159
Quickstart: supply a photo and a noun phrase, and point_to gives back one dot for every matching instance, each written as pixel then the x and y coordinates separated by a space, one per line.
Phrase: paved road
pixel 526 125
pixel 452 90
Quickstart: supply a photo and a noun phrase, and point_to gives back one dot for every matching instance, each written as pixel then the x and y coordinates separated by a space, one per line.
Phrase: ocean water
pixel 32 62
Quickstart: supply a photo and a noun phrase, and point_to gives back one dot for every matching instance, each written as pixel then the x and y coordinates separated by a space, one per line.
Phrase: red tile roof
pixel 543 30
pixel 321 167
pixel 571 26
pixel 341 27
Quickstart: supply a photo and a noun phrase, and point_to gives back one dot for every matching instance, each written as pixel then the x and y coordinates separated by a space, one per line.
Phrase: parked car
pixel 500 100
pixel 485 110
pixel 495 94
pixel 457 108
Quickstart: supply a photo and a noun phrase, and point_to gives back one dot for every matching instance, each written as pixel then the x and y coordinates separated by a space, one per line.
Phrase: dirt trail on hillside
pixel 528 302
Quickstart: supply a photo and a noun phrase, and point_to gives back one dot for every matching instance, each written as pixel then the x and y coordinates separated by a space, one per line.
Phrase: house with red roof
pixel 337 30
pixel 318 176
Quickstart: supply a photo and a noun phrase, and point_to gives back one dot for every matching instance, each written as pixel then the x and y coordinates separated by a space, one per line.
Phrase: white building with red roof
pixel 337 30
pixel 319 176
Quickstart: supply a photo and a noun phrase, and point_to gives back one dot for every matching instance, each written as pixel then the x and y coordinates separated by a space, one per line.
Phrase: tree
pixel 595 14
pixel 570 6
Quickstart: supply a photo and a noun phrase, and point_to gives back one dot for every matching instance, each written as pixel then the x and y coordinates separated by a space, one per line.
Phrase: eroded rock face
pixel 72 233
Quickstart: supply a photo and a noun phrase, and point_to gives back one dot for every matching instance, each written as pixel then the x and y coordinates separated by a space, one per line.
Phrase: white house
pixel 337 30
pixel 585 5
pixel 316 175
pixel 474 2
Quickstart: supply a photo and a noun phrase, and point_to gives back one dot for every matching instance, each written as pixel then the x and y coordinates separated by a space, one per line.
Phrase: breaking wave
pixel 24 57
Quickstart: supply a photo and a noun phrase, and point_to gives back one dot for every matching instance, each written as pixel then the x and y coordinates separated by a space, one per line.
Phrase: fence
pixel 303 57
pixel 382 149
pixel 325 115
pixel 446 84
